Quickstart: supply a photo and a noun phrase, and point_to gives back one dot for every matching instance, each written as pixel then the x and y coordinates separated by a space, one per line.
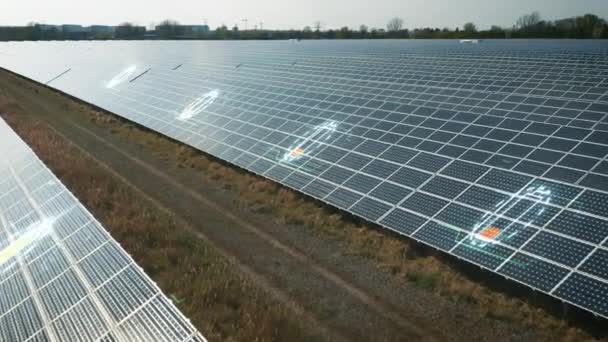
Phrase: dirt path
pixel 278 294
pixel 294 259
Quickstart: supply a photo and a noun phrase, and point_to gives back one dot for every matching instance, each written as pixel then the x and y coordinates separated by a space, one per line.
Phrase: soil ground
pixel 247 259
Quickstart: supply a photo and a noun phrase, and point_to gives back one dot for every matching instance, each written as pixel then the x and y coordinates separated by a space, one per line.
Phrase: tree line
pixel 527 26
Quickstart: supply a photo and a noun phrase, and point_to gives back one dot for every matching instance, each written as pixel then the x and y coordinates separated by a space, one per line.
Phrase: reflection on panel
pixel 493 152
pixel 62 276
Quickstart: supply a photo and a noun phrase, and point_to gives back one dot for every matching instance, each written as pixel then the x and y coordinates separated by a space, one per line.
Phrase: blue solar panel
pixel 493 152
pixel 62 276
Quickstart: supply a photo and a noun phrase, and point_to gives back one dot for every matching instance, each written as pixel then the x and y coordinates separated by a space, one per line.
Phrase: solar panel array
pixel 62 276
pixel 493 152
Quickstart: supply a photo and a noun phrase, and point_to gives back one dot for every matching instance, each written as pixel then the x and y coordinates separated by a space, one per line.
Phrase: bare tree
pixel 307 32
pixel 344 33
pixel 528 20
pixel 363 29
pixel 168 29
pixel 169 22
pixel 318 26
pixel 394 25
pixel 127 31
pixel 470 28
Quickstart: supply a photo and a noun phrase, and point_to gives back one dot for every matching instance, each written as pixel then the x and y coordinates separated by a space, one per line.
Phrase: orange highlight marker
pixel 490 232
pixel 296 152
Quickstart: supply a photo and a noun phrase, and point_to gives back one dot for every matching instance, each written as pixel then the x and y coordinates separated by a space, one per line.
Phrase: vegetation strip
pixel 530 25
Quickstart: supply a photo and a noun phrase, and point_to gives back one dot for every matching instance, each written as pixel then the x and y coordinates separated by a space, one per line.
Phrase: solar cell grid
pixel 62 277
pixel 494 153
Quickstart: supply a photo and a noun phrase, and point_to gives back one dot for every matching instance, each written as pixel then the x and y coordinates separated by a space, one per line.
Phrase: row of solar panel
pixel 592 87
pixel 472 60
pixel 520 103
pixel 536 109
pixel 500 255
pixel 467 75
pixel 371 171
pixel 419 158
pixel 504 146
pixel 62 277
pixel 406 82
pixel 460 75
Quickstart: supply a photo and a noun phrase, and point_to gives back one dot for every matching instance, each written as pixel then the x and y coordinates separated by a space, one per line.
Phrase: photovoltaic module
pixel 62 276
pixel 492 152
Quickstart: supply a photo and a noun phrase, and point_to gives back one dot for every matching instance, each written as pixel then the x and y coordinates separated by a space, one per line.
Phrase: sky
pixel 286 14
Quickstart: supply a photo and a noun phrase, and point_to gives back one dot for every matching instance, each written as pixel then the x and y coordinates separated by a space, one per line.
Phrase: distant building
pixel 129 32
pixel 188 29
pixel 141 30
pixel 180 31
pixel 192 31
pixel 566 24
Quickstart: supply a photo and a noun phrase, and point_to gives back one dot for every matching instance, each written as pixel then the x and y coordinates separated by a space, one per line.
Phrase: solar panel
pixel 492 152
pixel 62 276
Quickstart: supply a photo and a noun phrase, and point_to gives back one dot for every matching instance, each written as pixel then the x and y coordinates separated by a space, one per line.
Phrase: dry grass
pixel 7 104
pixel 219 302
